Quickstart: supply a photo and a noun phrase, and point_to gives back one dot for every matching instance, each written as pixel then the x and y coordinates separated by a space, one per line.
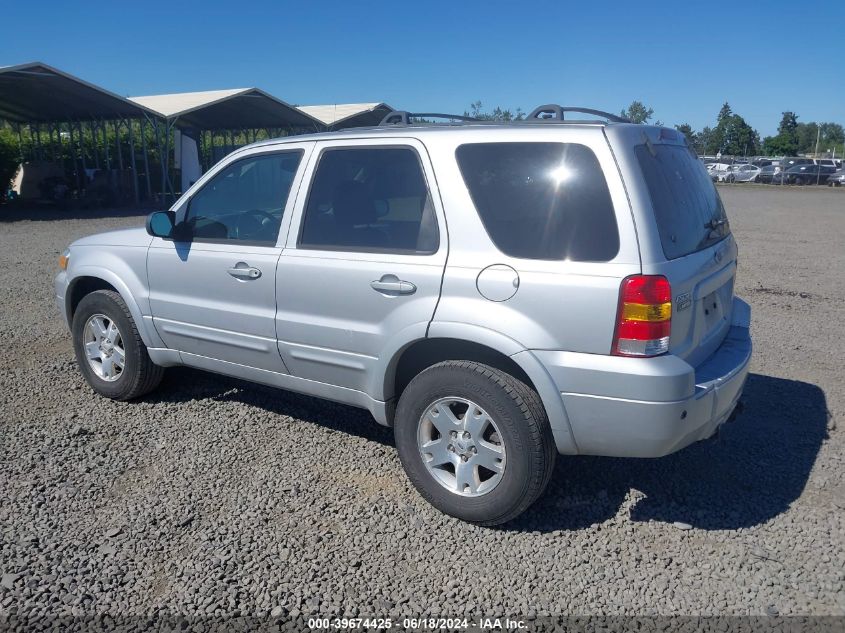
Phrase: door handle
pixel 242 270
pixel 392 285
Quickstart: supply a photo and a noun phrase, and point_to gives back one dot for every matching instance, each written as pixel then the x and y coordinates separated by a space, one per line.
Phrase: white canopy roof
pixel 182 102
pixel 228 109
pixel 344 114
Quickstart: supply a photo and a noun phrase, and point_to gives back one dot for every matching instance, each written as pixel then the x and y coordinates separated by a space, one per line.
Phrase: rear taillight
pixel 644 321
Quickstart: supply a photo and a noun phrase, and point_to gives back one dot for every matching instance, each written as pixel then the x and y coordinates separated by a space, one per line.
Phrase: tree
pixel 686 130
pixel 828 136
pixel 707 143
pixel 732 135
pixel 9 158
pixel 736 136
pixel 638 112
pixel 476 111
pixel 786 141
pixel 788 123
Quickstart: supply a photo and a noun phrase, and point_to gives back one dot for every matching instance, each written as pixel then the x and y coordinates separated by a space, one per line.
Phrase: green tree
pixel 9 159
pixel 707 142
pixel 476 111
pixel 786 141
pixel 638 112
pixel 686 130
pixel 732 135
pixel 807 134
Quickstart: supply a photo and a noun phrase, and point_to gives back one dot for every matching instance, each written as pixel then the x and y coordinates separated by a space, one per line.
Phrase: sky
pixel 682 58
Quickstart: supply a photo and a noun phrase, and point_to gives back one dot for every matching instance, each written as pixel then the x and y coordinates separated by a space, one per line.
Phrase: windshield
pixel 688 210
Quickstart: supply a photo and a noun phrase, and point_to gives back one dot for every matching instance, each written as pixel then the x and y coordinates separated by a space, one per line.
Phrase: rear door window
pixel 687 208
pixel 545 201
pixel 370 199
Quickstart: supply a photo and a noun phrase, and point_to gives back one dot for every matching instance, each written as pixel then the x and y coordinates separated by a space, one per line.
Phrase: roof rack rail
pixel 401 117
pixel 554 112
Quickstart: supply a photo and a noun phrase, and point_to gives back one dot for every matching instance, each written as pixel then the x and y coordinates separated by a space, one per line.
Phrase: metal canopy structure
pixel 71 130
pixel 242 108
pixel 345 115
pixel 221 120
pixel 38 93
pixel 83 123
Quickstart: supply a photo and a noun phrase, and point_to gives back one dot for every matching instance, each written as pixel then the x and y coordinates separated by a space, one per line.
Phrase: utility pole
pixel 818 167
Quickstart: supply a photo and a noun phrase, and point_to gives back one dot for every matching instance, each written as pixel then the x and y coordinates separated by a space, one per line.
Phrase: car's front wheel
pixel 109 351
pixel 475 441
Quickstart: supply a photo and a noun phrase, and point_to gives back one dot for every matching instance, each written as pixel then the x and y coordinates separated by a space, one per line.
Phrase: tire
pixel 506 405
pixel 97 312
pixel 730 179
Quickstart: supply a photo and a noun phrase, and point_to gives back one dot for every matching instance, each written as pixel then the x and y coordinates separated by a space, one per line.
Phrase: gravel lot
pixel 212 496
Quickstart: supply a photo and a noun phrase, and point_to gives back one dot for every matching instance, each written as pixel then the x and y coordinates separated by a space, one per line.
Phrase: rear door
pixel 697 252
pixel 362 269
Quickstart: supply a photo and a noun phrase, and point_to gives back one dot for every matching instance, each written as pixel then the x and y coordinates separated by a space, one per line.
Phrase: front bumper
pixel 650 407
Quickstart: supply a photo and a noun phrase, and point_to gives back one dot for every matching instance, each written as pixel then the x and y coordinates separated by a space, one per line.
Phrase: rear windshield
pixel 542 200
pixel 689 212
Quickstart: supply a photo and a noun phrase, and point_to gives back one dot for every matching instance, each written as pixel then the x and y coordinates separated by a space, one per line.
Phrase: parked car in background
pixel 768 173
pixel 719 170
pixel 837 179
pixel 743 173
pixel 804 175
pixel 792 161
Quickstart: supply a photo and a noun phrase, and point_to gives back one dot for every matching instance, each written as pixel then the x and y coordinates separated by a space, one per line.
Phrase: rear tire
pixel 109 351
pixel 469 399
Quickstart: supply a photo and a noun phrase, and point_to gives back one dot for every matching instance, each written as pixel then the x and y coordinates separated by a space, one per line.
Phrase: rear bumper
pixel 651 407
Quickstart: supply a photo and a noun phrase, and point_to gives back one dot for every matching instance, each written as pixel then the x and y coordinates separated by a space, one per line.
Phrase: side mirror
pixel 161 224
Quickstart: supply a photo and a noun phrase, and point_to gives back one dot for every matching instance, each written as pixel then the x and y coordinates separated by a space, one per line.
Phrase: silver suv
pixel 498 294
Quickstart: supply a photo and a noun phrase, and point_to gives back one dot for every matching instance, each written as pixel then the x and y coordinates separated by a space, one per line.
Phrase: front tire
pixel 109 351
pixel 474 441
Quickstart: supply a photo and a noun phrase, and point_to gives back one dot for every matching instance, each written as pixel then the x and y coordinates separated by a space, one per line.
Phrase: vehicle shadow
pixel 756 467
pixel 183 384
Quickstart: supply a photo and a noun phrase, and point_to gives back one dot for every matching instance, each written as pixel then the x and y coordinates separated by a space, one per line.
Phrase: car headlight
pixel 64 258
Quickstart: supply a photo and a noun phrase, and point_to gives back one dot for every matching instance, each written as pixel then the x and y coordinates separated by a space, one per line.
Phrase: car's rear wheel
pixel 475 441
pixel 109 351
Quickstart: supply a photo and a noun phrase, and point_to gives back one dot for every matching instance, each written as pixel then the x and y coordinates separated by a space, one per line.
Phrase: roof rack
pixel 401 117
pixel 554 112
pixel 551 113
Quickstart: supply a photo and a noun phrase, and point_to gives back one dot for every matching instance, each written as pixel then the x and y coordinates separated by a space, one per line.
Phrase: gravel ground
pixel 212 496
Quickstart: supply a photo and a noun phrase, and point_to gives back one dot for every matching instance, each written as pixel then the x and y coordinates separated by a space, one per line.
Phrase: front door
pixel 364 261
pixel 213 293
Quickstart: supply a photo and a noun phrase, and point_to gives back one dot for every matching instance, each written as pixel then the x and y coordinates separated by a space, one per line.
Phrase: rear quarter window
pixel 545 201
pixel 689 213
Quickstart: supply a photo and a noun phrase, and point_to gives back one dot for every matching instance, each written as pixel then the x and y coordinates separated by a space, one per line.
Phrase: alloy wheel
pixel 461 446
pixel 104 347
